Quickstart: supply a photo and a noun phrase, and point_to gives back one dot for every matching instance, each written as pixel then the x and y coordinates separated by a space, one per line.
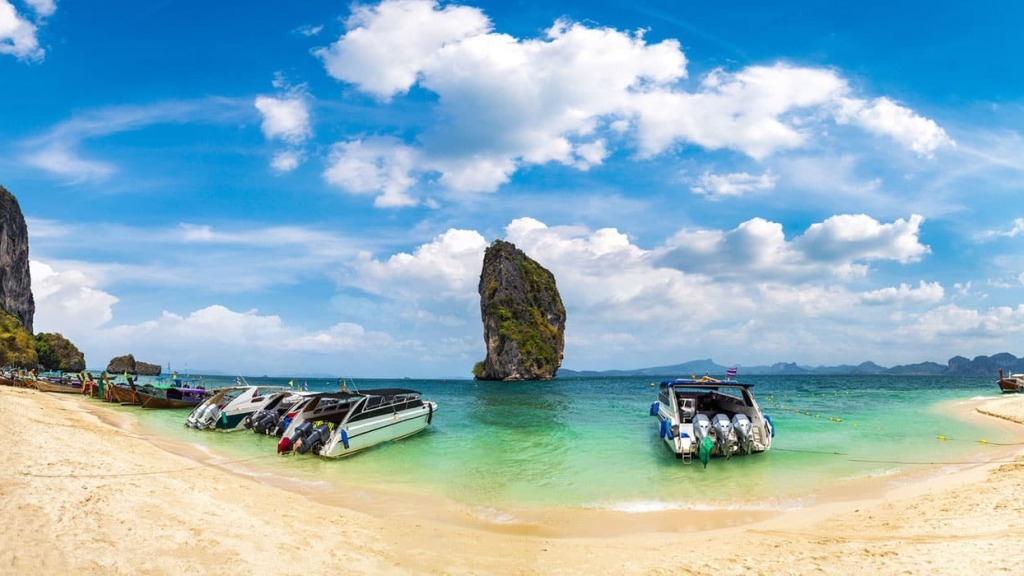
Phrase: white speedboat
pixel 708 417
pixel 336 424
pixel 229 408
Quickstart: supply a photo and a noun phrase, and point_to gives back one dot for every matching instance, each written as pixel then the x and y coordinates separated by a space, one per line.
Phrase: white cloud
pixel 286 160
pixel 967 328
pixel 885 117
pixel 931 293
pixel 373 166
pixel 758 248
pixel 716 186
pixel 18 35
pixel 447 267
pixel 387 46
pixel 68 301
pixel 858 236
pixel 284 118
pixel 578 94
pixel 43 8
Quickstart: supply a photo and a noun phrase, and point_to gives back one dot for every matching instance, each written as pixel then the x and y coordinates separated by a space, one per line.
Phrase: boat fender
pixel 430 414
pixel 344 439
pixel 704 452
pixel 654 408
pixel 664 429
pixel 284 445
pixel 771 427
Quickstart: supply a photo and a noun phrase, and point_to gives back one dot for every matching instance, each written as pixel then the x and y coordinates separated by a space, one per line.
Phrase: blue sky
pixel 308 187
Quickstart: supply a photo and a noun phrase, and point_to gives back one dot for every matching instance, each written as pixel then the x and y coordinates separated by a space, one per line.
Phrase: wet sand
pixel 83 490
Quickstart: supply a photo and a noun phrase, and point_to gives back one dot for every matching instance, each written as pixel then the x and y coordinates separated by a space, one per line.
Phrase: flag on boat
pixel 730 372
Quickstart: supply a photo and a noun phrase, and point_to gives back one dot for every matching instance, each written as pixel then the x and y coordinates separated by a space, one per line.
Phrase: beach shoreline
pixel 85 490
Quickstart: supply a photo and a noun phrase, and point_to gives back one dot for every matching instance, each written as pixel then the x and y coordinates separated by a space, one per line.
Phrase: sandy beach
pixel 84 491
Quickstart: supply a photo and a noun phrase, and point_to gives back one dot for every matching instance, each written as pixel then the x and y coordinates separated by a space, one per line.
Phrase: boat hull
pixel 150 400
pixel 366 434
pixel 45 386
pixel 1010 385
pixel 123 394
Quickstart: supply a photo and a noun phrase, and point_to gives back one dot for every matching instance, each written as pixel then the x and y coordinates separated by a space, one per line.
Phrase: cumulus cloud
pixel 930 293
pixel 578 93
pixel 17 34
pixel 68 301
pixel 858 236
pixel 286 119
pixel 717 186
pixel 837 247
pixel 375 166
pixel 286 160
pixel 448 266
pixel 43 8
pixel 885 117
pixel 967 327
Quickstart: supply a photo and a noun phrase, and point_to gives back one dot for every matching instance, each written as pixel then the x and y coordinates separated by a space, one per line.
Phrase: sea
pixel 591 444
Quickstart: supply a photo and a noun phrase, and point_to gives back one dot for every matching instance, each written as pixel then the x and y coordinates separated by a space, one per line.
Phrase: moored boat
pixel 174 397
pixel 55 382
pixel 1011 383
pixel 229 408
pixel 708 417
pixel 337 424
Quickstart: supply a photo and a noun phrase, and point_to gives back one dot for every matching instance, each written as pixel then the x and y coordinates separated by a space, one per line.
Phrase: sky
pixel 308 188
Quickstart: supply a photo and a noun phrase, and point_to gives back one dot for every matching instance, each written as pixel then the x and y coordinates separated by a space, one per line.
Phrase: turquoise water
pixel 591 443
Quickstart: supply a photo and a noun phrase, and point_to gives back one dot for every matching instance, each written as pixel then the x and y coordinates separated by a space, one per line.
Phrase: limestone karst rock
pixel 523 317
pixel 15 281
pixel 127 363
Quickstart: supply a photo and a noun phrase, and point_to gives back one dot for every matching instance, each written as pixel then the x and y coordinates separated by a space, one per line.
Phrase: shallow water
pixel 590 442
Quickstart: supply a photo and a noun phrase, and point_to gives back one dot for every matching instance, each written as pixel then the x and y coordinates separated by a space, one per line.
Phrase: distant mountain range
pixel 956 366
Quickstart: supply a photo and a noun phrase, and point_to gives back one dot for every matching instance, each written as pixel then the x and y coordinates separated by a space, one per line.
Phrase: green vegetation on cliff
pixel 17 346
pixel 57 353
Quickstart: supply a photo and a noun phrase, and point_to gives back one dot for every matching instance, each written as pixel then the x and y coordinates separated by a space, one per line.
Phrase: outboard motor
pixel 723 433
pixel 701 427
pixel 207 416
pixel 302 431
pixel 264 422
pixel 744 432
pixel 315 441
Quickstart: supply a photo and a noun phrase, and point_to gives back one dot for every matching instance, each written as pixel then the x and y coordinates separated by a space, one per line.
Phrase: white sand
pixel 83 492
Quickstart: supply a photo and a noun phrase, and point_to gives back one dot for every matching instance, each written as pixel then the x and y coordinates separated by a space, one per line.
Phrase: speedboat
pixel 336 424
pixel 1011 383
pixel 229 408
pixel 708 417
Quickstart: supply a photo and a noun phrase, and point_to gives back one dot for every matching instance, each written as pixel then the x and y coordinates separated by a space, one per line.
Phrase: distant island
pixel 955 366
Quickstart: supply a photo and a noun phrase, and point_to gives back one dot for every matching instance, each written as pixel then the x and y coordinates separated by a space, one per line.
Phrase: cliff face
pixel 523 316
pixel 15 282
